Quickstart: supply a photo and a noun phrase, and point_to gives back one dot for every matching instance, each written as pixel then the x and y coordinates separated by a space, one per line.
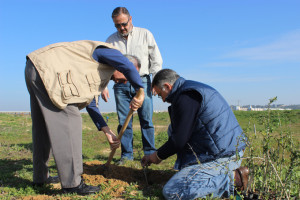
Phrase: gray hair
pixel 164 76
pixel 134 60
pixel 118 11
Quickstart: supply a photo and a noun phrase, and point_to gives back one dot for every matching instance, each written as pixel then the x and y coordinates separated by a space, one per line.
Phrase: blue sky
pixel 248 50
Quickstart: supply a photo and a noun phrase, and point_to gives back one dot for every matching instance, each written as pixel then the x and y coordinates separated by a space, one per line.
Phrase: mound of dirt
pixel 126 174
pixel 116 178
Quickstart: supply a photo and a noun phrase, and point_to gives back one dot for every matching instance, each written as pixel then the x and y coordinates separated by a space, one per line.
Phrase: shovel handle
pixel 129 115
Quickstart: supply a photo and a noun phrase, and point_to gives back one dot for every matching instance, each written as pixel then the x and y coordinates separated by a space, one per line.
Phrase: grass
pixel 272 155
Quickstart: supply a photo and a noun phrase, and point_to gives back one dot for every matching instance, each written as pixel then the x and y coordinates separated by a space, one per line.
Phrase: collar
pixel 178 83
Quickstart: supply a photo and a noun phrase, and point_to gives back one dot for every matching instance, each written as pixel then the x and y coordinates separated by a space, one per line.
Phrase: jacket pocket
pixel 68 87
pixel 94 82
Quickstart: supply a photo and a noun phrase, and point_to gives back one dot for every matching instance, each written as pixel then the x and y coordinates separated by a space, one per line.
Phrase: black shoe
pixel 82 189
pixel 50 180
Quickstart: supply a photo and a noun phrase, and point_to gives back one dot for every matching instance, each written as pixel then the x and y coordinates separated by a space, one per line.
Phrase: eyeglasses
pixel 159 95
pixel 122 24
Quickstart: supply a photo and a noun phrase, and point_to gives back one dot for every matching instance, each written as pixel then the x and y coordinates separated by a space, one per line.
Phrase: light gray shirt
pixel 141 44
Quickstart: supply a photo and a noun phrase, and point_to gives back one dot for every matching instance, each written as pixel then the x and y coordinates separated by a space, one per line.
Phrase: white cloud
pixel 223 64
pixel 286 48
pixel 212 77
pixel 239 79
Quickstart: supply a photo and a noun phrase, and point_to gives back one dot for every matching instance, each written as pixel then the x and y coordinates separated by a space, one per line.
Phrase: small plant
pixel 273 158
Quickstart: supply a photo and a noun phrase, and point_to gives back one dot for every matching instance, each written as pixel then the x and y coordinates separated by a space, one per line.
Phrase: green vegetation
pixel 272 154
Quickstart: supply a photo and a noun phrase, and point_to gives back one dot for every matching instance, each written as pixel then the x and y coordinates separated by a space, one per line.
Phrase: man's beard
pixel 127 33
pixel 124 34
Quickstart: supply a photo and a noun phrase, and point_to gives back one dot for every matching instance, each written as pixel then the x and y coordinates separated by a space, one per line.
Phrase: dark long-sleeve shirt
pixel 183 118
pixel 115 59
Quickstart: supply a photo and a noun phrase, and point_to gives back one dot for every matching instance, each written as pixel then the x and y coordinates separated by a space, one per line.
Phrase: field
pixel 272 155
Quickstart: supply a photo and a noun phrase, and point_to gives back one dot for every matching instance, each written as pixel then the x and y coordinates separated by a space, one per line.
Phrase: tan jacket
pixel 69 72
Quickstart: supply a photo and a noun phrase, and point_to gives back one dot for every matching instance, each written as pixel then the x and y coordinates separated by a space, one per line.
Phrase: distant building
pixel 255 109
pixel 247 108
pixel 238 108
pixel 251 108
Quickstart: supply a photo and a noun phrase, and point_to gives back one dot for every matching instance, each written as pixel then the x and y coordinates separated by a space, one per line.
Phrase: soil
pixel 114 179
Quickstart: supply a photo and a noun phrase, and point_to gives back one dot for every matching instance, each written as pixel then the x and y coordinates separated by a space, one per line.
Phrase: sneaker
pixel 122 161
pixel 241 178
pixel 50 180
pixel 82 189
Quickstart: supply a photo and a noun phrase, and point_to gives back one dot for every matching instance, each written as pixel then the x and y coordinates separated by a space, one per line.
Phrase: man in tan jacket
pixel 63 78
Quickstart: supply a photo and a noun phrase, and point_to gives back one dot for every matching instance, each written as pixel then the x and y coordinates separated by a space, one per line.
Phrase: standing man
pixel 206 137
pixel 63 78
pixel 140 43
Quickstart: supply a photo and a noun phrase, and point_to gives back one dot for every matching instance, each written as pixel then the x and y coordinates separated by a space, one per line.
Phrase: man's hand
pixel 105 94
pixel 114 142
pixel 149 159
pixel 118 77
pixel 137 100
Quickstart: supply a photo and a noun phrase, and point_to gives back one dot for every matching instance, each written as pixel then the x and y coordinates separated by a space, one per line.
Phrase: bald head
pixel 135 60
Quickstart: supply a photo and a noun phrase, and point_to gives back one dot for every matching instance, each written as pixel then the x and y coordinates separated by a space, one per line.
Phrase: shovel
pixel 129 115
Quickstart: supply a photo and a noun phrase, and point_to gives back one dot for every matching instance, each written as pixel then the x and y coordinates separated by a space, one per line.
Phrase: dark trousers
pixel 53 128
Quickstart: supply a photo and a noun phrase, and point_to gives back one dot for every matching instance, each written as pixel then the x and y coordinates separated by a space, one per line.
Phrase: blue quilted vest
pixel 217 133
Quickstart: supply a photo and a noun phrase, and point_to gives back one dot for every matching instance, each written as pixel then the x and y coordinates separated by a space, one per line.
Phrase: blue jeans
pixel 198 181
pixel 123 95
